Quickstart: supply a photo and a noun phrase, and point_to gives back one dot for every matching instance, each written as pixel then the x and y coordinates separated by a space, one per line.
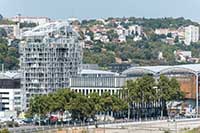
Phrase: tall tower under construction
pixel 50 55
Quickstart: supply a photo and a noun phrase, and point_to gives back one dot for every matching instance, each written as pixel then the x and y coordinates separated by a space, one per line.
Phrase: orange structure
pixel 185 74
pixel 188 86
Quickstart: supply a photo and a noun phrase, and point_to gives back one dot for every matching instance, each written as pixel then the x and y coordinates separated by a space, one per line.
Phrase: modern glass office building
pixel 89 81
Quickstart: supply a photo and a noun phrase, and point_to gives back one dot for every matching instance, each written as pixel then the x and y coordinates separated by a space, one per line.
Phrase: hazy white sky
pixel 101 8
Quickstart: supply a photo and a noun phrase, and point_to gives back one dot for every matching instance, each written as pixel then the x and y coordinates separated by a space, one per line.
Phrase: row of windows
pixel 99 91
pixel 10 83
pixel 97 82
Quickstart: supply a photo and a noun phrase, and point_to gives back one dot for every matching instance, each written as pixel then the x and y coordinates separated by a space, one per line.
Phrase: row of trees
pixel 147 93
pixel 156 23
pixel 152 23
pixel 137 95
pixel 80 106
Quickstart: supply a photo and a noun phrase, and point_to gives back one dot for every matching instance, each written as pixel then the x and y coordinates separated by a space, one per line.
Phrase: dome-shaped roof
pixel 191 68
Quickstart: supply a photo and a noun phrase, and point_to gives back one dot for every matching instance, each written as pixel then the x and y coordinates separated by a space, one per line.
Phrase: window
pixel 17 93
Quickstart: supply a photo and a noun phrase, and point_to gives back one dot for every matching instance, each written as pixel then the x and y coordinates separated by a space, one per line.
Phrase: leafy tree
pixel 95 99
pixel 8 55
pixel 145 91
pixel 176 40
pixel 3 33
pixel 169 35
pixel 118 104
pixel 130 94
pixel 176 93
pixel 3 49
pixel 61 100
pixel 39 105
pixel 81 107
pixel 169 90
pixel 12 51
pixel 10 62
pixel 106 102
pixel 112 34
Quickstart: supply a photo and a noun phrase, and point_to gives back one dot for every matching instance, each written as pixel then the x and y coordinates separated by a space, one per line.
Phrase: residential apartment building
pixel 50 55
pixel 136 30
pixel 191 34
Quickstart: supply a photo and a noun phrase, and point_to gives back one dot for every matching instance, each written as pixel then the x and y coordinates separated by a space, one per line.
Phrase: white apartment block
pixel 10 92
pixel 135 29
pixel 191 34
pixel 50 55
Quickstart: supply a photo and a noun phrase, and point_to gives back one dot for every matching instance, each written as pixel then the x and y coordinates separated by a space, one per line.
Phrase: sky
pixel 87 9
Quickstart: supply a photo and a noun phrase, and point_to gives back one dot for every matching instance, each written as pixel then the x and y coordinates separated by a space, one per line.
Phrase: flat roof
pixel 90 71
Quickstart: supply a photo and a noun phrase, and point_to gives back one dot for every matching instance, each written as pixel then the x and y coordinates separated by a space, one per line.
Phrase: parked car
pixel 42 121
pixel 28 120
pixel 75 122
pixel 20 122
pixel 66 120
pixel 90 120
pixel 53 119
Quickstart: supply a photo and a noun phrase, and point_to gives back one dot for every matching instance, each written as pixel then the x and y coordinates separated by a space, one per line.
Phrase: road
pixel 175 126
pixel 160 125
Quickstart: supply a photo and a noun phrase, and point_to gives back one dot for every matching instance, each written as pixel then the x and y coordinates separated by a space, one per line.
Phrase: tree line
pixel 80 106
pixel 132 101
pixel 147 97
pixel 143 97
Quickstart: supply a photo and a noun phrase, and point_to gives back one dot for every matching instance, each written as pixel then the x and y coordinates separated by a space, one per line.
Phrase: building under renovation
pixel 50 55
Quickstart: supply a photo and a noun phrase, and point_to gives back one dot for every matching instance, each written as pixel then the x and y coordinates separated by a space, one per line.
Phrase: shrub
pixel 4 131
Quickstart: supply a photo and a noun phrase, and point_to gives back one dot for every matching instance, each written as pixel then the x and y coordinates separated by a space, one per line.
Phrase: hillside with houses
pixel 140 41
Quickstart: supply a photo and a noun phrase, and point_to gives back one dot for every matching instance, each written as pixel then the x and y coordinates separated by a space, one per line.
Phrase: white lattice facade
pixel 50 55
